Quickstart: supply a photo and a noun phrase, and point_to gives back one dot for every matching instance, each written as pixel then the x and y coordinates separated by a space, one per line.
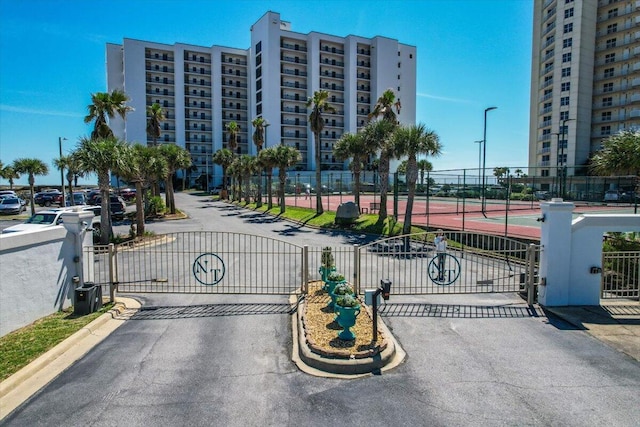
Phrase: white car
pixel 42 219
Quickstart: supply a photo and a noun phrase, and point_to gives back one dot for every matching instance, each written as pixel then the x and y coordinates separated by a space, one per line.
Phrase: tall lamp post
pixel 484 159
pixel 479 156
pixel 563 163
pixel 60 139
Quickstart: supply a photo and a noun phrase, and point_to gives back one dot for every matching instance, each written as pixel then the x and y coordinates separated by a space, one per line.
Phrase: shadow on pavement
pixel 210 310
pixel 459 311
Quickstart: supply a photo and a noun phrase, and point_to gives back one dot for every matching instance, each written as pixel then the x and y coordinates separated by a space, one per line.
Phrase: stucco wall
pixel 36 269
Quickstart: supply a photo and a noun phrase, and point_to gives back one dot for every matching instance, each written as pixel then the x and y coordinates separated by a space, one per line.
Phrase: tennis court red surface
pixel 454 214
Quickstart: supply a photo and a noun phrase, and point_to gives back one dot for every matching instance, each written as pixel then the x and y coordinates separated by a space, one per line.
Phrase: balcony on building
pixel 293 46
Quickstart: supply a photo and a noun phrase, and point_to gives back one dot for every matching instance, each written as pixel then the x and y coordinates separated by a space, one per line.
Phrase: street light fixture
pixel 484 159
pixel 60 139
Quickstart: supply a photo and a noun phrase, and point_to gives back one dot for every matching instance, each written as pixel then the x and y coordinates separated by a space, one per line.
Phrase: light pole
pixel 60 139
pixel 564 167
pixel 484 158
pixel 479 156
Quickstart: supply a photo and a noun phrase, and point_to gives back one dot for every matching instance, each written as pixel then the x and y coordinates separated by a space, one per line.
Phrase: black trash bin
pixel 87 299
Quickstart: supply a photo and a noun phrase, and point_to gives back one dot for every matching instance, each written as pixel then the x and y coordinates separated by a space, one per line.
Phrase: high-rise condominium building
pixel 202 89
pixel 585 83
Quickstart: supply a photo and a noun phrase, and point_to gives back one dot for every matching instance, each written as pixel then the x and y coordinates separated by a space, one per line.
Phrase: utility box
pixel 87 299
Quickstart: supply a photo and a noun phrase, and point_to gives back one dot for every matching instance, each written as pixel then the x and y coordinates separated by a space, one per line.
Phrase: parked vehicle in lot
pixel 78 199
pixel 611 196
pixel 42 219
pixel 48 198
pixel 7 193
pixel 117 206
pixel 128 194
pixel 11 206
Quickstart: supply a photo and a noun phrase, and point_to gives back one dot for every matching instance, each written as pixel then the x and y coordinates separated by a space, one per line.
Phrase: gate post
pixel 112 284
pixel 531 262
pixel 356 269
pixel 304 286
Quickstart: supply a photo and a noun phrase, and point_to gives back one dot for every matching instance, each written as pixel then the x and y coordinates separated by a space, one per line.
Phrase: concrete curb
pixel 26 382
pixel 322 366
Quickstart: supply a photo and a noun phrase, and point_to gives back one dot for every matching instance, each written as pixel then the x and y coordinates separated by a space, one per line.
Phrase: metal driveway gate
pixel 473 263
pixel 209 262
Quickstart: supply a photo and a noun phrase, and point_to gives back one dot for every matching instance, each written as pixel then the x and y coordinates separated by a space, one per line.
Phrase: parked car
pixel 117 206
pixel 78 199
pixel 7 193
pixel 42 219
pixel 128 194
pixel 11 206
pixel 48 198
pixel 611 196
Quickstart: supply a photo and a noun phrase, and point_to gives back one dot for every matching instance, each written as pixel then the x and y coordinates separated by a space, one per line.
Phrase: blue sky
pixel 472 54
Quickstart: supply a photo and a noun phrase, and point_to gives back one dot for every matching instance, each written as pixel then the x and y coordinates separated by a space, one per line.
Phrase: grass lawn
pixel 21 347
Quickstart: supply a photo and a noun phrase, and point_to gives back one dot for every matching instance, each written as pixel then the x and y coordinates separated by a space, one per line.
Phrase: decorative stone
pixel 347 213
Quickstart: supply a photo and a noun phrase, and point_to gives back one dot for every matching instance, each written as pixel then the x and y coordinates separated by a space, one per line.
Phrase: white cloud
pixel 13 109
pixel 443 98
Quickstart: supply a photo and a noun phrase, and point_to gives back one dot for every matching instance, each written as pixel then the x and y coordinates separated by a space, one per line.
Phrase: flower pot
pixel 347 318
pixel 330 285
pixel 324 272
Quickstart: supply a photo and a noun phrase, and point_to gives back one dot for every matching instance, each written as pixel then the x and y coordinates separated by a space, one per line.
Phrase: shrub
pixel 347 301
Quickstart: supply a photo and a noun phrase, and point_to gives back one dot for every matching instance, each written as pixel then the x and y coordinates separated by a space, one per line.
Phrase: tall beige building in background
pixel 585 82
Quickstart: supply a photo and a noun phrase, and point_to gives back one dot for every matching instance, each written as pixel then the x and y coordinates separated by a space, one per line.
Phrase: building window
pixel 399 64
pixel 566 72
pixel 606 116
pixel 568 13
pixel 566 57
pixel 568 28
pixel 607 102
pixel 411 56
pixel 609 58
pixel 605 130
pixel 611 43
pixel 564 115
pixel 612 13
pixel 564 100
pixel 565 86
pixel 568 1
pixel 608 72
pixel 258 47
pixel 607 87
pixel 612 28
pixel 568 42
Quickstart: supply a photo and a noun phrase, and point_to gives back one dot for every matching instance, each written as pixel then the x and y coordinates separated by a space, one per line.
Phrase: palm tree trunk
pixel 383 170
pixel 283 177
pixel 270 189
pixel 171 200
pixel 106 231
pixel 412 177
pixel 319 208
pixel 139 209
pixel 356 191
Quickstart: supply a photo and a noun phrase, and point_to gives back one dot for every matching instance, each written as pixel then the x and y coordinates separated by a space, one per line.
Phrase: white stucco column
pixel 555 255
pixel 77 222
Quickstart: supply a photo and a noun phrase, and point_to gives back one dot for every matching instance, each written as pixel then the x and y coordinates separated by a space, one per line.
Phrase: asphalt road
pixel 472 360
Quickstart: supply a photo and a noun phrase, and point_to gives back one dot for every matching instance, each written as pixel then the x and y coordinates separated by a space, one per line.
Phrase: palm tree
pixel 620 155
pixel 386 106
pixel 411 141
pixel 103 107
pixel 100 156
pixel 235 172
pixel 268 160
pixel 377 135
pixel 31 167
pixel 285 157
pixel 71 164
pixel 319 105
pixel 355 146
pixel 142 165
pixel 260 124
pixel 155 116
pixel 176 158
pixel 224 158
pixel 424 165
pixel 9 173
pixel 232 131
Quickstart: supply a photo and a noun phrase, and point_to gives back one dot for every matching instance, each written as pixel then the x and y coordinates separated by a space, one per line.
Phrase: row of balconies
pixel 160 80
pixel 364 76
pixel 549 28
pixel 198 127
pixel 629 24
pixel 549 42
pixel 293 59
pixel 331 74
pixel 296 122
pixel 159 69
pixel 620 13
pixel 295 85
pixel 235 61
pixel 192 57
pixel 196 116
pixel 295 110
pixel 294 72
pixel 231 71
pixel 160 56
pixel 332 86
pixel 331 62
pixel 236 95
pixel 159 92
pixel 364 64
pixel 194 70
pixel 362 51
pixel 198 94
pixel 232 83
pixel 295 97
pixel 196 104
pixel 198 138
pixel 331 49
pixel 236 106
pixel 198 82
pixel 364 111
pixel 290 46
